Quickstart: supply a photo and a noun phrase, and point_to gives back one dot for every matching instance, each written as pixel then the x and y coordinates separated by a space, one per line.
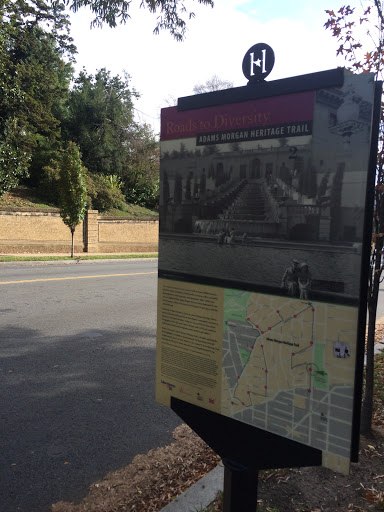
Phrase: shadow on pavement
pixel 73 409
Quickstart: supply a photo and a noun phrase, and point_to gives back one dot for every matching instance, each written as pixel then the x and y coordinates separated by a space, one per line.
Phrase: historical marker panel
pixel 261 229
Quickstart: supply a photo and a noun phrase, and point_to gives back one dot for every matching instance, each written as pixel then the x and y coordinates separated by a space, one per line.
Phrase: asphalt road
pixel 77 365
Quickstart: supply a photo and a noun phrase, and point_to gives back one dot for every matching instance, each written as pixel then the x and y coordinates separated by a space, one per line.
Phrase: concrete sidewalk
pixel 200 495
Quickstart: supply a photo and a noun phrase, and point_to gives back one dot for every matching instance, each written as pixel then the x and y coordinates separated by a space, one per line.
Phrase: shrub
pixel 104 192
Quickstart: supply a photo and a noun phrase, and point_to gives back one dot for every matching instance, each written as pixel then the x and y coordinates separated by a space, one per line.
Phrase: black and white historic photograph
pixel 284 212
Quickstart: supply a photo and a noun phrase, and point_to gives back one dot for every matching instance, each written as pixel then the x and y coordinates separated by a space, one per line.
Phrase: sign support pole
pixel 244 450
pixel 240 487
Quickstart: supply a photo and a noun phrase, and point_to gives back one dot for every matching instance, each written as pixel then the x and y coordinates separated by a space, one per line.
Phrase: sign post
pixel 266 199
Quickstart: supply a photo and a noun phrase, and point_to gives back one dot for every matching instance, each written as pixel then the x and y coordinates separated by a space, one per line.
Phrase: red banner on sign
pixel 249 114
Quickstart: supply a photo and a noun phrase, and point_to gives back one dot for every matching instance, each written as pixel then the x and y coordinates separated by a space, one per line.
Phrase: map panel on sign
pixel 288 368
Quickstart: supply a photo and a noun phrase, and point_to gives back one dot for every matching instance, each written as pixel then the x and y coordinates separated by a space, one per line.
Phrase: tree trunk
pixel 73 242
pixel 367 407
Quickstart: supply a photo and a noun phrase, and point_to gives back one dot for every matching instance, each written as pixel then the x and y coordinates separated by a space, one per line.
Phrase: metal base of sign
pixel 240 488
pixel 244 450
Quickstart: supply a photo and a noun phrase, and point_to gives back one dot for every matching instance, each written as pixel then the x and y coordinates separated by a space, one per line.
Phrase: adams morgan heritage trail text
pixel 271 132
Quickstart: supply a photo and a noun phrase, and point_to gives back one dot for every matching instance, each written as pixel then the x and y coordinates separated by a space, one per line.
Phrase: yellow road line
pixel 76 277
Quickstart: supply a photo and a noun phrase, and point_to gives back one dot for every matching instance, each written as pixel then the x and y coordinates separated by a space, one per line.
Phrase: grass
pixel 27 197
pixel 77 258
pixel 131 210
pixel 23 197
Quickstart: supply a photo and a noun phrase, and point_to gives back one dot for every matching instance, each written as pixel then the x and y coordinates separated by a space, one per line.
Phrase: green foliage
pixel 99 115
pixel 141 176
pixel 130 211
pixel 114 181
pixel 72 191
pixel 143 192
pixel 38 113
pixel 13 159
pixel 104 192
pixel 49 182
pixel 92 257
pixel 172 14
pixel 100 121
pixel 33 83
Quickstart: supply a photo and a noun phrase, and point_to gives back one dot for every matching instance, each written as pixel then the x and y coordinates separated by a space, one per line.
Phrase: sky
pixel 215 44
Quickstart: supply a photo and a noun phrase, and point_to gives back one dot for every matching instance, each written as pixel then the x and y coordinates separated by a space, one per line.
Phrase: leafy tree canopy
pixel 141 176
pixel 101 121
pixel 172 14
pixel 14 158
pixel 100 114
pixel 39 112
pixel 72 190
pixel 72 187
pixel 34 80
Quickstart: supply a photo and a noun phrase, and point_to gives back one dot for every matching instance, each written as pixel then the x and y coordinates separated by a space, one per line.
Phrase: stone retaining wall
pixel 127 235
pixel 28 230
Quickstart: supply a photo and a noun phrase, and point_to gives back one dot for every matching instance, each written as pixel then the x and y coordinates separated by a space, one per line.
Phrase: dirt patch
pixel 319 489
pixel 154 479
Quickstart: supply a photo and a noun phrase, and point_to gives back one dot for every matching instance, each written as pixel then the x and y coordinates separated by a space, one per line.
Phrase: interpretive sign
pixel 263 232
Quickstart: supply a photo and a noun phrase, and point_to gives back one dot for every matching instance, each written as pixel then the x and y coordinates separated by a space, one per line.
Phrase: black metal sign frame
pixel 246 449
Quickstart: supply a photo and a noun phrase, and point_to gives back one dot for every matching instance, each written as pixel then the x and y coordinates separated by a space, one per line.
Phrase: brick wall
pixel 128 235
pixel 31 231
pixel 26 230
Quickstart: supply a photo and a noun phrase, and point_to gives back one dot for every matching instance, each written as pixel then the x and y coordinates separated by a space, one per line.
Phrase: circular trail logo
pixel 258 62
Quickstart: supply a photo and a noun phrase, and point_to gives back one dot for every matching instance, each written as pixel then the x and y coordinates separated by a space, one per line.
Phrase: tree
pixel 34 80
pixel 101 121
pixel 14 158
pixel 172 13
pixel 100 114
pixel 72 191
pixel 368 57
pixel 212 84
pixel 141 175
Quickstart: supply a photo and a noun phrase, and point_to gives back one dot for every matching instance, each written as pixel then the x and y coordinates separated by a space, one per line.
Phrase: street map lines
pixel 288 367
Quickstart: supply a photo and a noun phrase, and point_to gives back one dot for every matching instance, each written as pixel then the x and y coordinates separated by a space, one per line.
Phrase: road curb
pixel 70 262
pixel 200 495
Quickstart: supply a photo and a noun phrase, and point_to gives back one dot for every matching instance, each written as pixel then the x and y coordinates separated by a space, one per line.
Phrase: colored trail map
pixel 288 368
